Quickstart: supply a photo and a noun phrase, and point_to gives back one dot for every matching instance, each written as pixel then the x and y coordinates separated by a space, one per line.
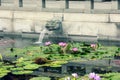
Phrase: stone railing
pixel 90 6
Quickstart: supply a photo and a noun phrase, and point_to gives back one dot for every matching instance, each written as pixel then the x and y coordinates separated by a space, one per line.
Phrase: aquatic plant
pixel 62 44
pixel 94 76
pixel 74 49
pixel 40 78
pixel 1 58
pixel 4 69
pixel 48 43
pixel 75 76
pixel 40 60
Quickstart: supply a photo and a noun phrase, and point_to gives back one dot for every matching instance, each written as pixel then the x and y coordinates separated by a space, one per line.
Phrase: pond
pixel 79 64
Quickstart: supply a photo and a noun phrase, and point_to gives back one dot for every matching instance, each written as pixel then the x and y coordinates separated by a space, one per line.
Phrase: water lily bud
pixel 48 43
pixel 74 49
pixel 62 44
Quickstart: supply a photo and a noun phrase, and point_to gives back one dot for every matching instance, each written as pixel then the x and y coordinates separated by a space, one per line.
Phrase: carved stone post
pixel 43 3
pixel 67 4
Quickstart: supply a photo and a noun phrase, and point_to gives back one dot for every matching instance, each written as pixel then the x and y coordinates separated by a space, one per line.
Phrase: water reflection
pixel 18 42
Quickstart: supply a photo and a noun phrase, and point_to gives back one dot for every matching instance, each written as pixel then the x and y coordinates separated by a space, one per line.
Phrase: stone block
pixel 115 17
pixel 39 26
pixel 44 16
pixel 5 24
pixel 5 14
pixel 107 29
pixel 22 25
pixel 80 28
pixel 24 15
pixel 86 17
pixel 88 28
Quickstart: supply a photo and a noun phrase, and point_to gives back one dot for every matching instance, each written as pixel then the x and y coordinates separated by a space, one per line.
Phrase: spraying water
pixel 41 36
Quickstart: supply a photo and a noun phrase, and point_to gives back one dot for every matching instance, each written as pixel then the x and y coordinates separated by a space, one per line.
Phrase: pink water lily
pixel 75 75
pixel 62 44
pixel 48 43
pixel 97 77
pixel 75 49
pixel 92 45
pixel 94 76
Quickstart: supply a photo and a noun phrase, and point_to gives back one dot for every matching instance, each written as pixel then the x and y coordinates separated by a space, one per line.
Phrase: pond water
pixel 20 42
pixel 14 42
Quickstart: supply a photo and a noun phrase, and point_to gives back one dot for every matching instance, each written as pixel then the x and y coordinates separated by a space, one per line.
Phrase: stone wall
pixel 73 23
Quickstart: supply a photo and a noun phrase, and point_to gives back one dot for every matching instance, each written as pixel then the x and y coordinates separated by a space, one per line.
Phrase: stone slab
pixel 87 28
pixel 44 16
pixel 5 14
pixel 5 24
pixel 86 17
pixel 39 26
pixel 115 17
pixel 22 25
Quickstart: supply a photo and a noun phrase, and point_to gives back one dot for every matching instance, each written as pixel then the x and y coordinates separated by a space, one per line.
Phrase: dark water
pixel 18 42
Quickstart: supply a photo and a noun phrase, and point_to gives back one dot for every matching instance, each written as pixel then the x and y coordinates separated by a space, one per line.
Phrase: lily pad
pixel 31 66
pixel 55 65
pixel 17 69
pixel 2 74
pixel 59 62
pixel 22 72
pixel 40 78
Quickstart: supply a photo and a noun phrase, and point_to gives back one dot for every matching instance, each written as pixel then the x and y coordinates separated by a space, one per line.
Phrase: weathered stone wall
pixel 73 23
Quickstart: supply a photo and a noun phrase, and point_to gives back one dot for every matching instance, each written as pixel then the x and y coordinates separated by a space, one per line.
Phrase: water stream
pixel 41 37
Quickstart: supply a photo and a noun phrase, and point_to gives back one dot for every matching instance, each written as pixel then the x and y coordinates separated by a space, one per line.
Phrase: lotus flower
pixel 74 49
pixel 94 76
pixel 62 44
pixel 92 45
pixel 97 77
pixel 75 75
pixel 48 43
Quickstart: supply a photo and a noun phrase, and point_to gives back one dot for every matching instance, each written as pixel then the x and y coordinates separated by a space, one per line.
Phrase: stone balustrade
pixel 44 3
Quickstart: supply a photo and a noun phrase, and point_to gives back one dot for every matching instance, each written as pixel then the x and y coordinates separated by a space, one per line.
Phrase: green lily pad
pixel 55 65
pixel 8 66
pixel 59 62
pixel 17 69
pixel 40 78
pixel 22 72
pixel 2 74
pixel 3 70
pixel 31 66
